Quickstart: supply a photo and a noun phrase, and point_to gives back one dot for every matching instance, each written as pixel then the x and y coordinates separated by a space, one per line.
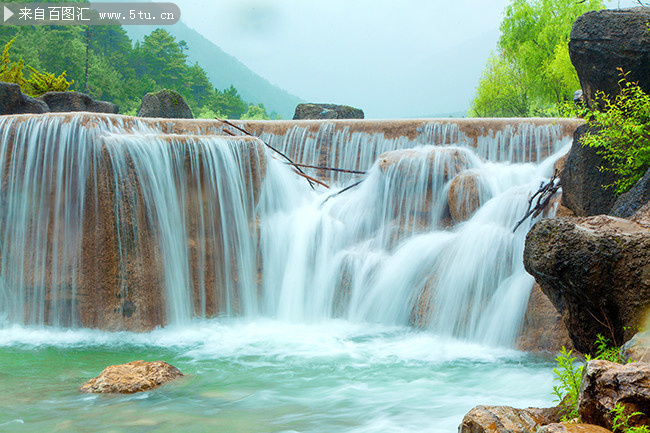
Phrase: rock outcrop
pixel 136 376
pixel 564 427
pixel 596 271
pixel 63 102
pixel 638 348
pixel 13 101
pixel 603 41
pixel 505 419
pixel 605 384
pixel 166 104
pixel 465 196
pixel 626 205
pixel 327 111
pixel 543 328
pixel 582 180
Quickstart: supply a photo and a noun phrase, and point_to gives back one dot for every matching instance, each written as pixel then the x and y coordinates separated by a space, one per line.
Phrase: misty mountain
pixel 223 69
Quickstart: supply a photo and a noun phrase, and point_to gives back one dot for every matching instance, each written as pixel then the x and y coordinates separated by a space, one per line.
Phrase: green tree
pixel 228 102
pixel 256 112
pixel 534 44
pixel 500 92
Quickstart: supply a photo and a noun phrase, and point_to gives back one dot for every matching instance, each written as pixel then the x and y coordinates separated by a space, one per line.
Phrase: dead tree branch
pixel 544 195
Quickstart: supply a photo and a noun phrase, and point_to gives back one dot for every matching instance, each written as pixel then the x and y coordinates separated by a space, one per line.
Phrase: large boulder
pixel 13 101
pixel 582 179
pixel 166 104
pixel 505 419
pixel 136 376
pixel 595 271
pixel 638 348
pixel 626 205
pixel 327 111
pixel 63 102
pixel 565 427
pixel 606 384
pixel 603 41
pixel 542 328
pixel 465 195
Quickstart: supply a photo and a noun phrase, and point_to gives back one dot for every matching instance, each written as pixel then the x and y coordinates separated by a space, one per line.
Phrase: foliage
pixel 605 350
pixel 569 376
pixel 624 133
pixel 621 422
pixel 38 82
pixel 532 63
pixel 256 112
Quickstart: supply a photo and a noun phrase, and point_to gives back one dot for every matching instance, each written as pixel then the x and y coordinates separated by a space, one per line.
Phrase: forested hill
pixel 224 70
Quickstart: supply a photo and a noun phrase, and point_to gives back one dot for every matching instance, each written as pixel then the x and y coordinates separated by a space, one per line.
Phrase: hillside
pixel 223 69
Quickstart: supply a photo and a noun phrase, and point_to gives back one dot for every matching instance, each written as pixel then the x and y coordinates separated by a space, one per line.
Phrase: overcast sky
pixel 392 58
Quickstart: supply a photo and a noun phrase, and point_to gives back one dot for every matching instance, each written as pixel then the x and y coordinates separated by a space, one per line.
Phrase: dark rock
pixel 505 419
pixel 595 271
pixel 582 180
pixel 638 348
pixel 13 101
pixel 602 41
pixel 605 384
pixel 166 104
pixel 327 111
pixel 543 328
pixel 63 102
pixel 136 376
pixel 627 204
pixel 564 427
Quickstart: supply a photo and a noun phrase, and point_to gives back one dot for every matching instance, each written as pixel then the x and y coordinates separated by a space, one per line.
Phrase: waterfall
pixel 115 222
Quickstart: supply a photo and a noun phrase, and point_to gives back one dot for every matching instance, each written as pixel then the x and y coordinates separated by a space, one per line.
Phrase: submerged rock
pixel 606 384
pixel 166 104
pixel 464 196
pixel 136 376
pixel 505 419
pixel 595 271
pixel 327 111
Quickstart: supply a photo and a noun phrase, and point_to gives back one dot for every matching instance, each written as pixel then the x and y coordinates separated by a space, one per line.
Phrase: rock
pixel 13 101
pixel 605 384
pixel 627 204
pixel 638 348
pixel 465 196
pixel 133 377
pixel 166 104
pixel 542 329
pixel 327 111
pixel 564 427
pixel 63 102
pixel 582 180
pixel 602 41
pixel 595 271
pixel 505 419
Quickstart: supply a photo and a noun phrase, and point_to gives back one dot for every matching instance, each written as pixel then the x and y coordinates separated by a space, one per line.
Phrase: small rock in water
pixel 132 377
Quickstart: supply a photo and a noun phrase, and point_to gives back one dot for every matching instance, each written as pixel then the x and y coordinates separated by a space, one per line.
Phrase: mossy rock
pixel 166 104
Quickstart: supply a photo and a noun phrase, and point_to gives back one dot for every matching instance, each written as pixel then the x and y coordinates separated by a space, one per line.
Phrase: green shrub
pixel 621 422
pixel 624 133
pixel 38 82
pixel 569 376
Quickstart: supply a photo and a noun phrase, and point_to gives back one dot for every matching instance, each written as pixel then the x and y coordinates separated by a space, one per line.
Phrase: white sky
pixel 392 58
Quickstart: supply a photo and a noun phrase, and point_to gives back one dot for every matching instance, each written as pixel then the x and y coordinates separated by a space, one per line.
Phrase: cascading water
pixel 330 308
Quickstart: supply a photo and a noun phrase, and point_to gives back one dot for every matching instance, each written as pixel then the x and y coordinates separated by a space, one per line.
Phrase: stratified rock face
pixel 166 104
pixel 13 101
pixel 136 376
pixel 627 204
pixel 505 419
pixel 596 271
pixel 327 111
pixel 543 328
pixel 602 41
pixel 638 348
pixel 63 102
pixel 582 180
pixel 572 428
pixel 605 384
